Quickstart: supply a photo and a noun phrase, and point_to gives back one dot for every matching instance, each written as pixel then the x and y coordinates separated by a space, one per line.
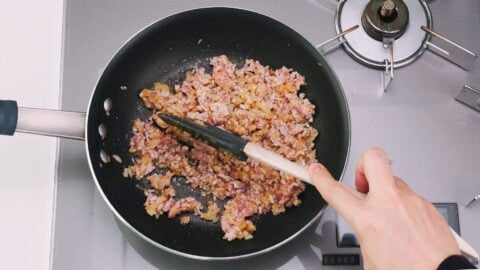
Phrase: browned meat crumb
pixel 160 196
pixel 188 204
pixel 184 220
pixel 143 167
pixel 160 182
pixel 155 205
pixel 212 212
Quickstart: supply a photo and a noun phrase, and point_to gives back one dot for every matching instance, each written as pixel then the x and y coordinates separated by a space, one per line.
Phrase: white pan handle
pixel 54 123
pixel 466 249
pixel 61 124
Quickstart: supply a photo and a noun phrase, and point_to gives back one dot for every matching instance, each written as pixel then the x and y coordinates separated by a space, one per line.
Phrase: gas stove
pixel 402 92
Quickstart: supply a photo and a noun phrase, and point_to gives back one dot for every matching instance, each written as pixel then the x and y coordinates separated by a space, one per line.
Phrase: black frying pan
pixel 163 52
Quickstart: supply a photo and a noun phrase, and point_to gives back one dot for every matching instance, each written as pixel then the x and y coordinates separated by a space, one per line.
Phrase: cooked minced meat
pixel 184 220
pixel 256 102
pixel 212 212
pixel 188 204
pixel 160 182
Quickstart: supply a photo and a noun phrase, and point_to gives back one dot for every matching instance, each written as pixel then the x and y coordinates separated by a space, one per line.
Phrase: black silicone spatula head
pixel 213 135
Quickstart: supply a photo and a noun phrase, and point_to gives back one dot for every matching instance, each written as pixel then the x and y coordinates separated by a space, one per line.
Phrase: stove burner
pixel 385 19
pixel 394 34
pixel 384 22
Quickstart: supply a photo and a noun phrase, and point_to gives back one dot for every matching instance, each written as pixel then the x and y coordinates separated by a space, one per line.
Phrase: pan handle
pixel 62 124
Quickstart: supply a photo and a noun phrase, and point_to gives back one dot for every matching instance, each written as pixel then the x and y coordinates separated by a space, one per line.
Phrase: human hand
pixel 397 229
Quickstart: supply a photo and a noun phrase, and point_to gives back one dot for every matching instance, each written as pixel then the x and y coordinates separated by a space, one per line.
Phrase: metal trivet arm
pixel 470 97
pixel 324 50
pixel 450 50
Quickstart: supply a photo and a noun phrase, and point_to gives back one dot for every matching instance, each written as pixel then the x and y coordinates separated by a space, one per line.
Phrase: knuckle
pixel 418 201
pixel 428 205
pixel 402 185
pixel 374 155
pixel 412 200
pixel 399 180
pixel 391 198
pixel 374 152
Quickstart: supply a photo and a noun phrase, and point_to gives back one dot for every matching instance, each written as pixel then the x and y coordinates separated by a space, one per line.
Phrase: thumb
pixel 335 193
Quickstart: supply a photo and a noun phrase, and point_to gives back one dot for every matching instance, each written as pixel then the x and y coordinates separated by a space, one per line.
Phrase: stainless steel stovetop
pixel 432 140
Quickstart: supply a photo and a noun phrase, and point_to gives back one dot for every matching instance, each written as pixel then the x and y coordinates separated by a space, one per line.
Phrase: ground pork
pixel 256 102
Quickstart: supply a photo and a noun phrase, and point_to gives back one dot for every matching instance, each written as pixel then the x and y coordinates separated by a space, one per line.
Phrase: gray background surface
pixel 433 141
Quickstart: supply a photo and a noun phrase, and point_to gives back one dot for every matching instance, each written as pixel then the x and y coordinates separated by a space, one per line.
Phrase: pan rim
pixel 200 257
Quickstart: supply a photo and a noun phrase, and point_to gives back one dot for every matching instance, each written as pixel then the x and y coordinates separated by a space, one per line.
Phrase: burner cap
pixel 385 19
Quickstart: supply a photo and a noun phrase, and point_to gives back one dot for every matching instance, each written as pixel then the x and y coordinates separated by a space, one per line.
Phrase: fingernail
pixel 316 167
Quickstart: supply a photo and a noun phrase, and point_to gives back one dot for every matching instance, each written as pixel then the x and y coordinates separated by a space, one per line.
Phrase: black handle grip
pixel 8 117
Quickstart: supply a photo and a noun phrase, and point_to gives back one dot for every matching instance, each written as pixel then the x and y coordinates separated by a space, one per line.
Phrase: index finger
pixel 336 194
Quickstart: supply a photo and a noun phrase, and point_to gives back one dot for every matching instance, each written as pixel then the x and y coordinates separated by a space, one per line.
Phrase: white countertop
pixel 30 67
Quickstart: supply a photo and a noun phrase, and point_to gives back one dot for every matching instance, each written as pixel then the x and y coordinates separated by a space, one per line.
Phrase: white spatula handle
pixel 276 161
pixel 280 163
pixel 465 248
